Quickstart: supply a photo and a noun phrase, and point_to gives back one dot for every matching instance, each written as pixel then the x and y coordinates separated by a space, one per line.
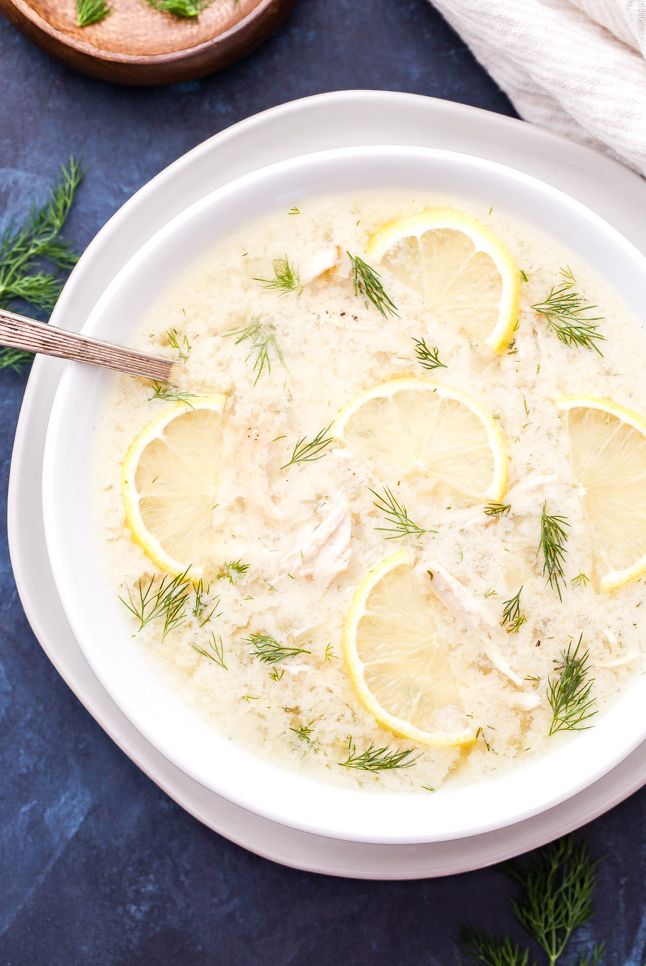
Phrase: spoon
pixel 18 332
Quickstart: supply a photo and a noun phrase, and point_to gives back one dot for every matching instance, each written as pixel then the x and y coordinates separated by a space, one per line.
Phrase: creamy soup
pixel 257 645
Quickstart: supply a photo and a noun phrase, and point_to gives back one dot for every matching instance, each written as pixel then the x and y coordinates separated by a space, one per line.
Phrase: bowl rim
pixel 56 548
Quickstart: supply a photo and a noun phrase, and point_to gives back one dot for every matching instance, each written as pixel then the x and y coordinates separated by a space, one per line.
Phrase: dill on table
pixel 23 250
pixel 165 598
pixel 378 759
pixel 555 899
pixel 270 651
pixel 567 315
pixel 214 651
pixel 308 451
pixel 569 692
pixel 497 509
pixel 261 337
pixel 187 9
pixel 428 358
pixel 286 277
pixel 512 617
pixel 552 545
pixel 396 515
pixel 171 394
pixel 91 11
pixel 367 283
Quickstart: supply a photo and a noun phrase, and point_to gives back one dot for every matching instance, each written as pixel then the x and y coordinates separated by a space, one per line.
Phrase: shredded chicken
pixel 522 496
pixel 479 613
pixel 524 700
pixel 324 551
pixel 320 263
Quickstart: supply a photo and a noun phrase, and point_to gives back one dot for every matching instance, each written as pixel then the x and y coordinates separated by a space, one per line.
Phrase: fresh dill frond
pixel 165 598
pixel 178 341
pixel 294 211
pixel 286 277
pixel 595 957
pixel 14 359
pixel 187 9
pixel 308 451
pixel 262 339
pixel 91 11
pixel 214 651
pixel 23 249
pixel 497 509
pixel 556 894
pixel 378 759
pixel 396 515
pixel 367 283
pixel 232 569
pixel 581 580
pixel 329 654
pixel 569 693
pixel 568 315
pixel 203 607
pixel 277 673
pixel 171 394
pixel 552 545
pixel 482 947
pixel 270 651
pixel 428 358
pixel 512 617
pixel 304 731
pixel 523 275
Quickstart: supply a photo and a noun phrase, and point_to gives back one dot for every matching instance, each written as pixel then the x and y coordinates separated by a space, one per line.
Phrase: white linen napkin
pixel 574 66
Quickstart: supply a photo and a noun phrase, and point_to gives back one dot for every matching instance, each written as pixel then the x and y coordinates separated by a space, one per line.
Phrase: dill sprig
pixel 570 693
pixel 428 358
pixel 262 339
pixel 396 515
pixel 367 282
pixel 567 315
pixel 270 651
pixel 581 580
pixel 497 509
pixel 91 11
pixel 23 249
pixel 481 947
pixel 202 603
pixel 556 894
pixel 232 569
pixel 512 617
pixel 555 900
pixel 286 277
pixel 304 731
pixel 188 9
pixel 165 598
pixel 214 651
pixel 308 451
pixel 378 759
pixel 329 655
pixel 171 394
pixel 178 341
pixel 552 545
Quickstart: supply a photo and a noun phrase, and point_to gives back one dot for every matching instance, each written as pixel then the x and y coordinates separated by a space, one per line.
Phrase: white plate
pixel 314 124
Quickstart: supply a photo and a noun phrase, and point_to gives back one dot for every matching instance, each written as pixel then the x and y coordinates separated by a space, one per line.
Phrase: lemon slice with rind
pixel 399 670
pixel 466 276
pixel 608 459
pixel 169 484
pixel 410 426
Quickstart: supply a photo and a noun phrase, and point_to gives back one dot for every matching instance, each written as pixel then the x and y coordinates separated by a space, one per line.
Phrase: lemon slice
pixel 411 426
pixel 467 277
pixel 169 484
pixel 608 458
pixel 397 667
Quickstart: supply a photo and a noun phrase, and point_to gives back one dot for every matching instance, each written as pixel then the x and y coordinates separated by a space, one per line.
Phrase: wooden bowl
pixel 137 44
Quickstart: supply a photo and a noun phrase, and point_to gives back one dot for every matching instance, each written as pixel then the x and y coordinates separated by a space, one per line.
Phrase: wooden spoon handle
pixel 18 332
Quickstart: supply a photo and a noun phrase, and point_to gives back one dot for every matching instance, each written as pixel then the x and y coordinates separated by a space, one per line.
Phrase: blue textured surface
pixel 97 866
